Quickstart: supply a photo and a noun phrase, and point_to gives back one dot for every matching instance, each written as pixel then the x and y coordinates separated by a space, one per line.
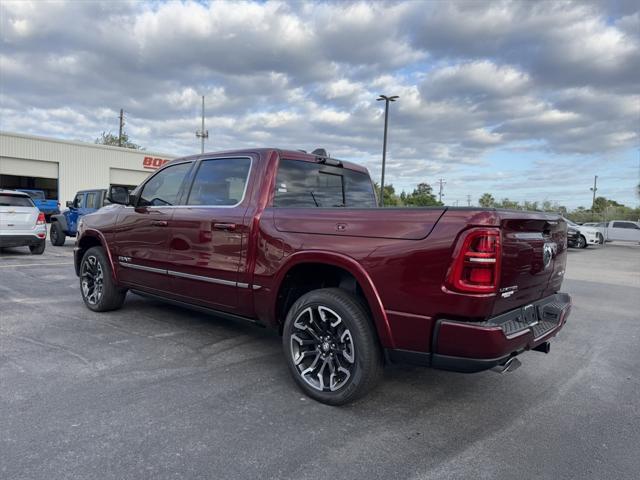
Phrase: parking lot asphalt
pixel 155 391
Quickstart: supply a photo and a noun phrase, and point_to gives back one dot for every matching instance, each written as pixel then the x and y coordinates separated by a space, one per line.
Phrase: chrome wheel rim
pixel 92 280
pixel 322 349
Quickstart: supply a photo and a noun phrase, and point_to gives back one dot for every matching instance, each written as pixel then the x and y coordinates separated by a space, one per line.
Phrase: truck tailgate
pixel 533 258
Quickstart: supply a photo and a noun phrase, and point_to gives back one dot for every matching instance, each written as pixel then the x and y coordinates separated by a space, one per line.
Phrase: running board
pixel 198 308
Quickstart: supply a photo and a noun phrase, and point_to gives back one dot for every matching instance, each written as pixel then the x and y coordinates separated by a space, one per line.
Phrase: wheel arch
pixel 93 238
pixel 337 269
pixel 62 220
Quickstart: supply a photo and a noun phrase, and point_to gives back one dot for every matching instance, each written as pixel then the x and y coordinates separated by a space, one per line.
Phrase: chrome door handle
pixel 225 226
pixel 159 223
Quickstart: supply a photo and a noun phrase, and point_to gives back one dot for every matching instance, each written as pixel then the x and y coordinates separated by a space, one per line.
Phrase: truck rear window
pixel 307 184
pixel 36 195
pixel 15 201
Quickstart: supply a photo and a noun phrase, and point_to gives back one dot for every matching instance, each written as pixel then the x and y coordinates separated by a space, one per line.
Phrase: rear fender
pixel 354 268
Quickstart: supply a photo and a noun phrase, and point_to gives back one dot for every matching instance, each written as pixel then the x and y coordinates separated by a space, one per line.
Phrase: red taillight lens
pixel 41 220
pixel 476 263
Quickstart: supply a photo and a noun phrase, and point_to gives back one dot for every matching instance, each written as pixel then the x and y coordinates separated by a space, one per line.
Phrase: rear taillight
pixel 476 262
pixel 41 220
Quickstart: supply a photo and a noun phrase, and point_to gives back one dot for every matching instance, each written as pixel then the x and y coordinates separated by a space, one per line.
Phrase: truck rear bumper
pixel 476 346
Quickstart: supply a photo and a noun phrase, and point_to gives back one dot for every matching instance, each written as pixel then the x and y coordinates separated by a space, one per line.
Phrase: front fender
pixel 62 220
pixel 88 238
pixel 354 268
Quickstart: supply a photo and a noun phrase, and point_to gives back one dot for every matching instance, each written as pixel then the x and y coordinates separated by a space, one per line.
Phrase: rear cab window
pixel 36 195
pixel 306 184
pixel 9 200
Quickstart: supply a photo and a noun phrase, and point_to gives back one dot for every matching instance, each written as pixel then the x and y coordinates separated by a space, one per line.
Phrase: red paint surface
pixel 399 257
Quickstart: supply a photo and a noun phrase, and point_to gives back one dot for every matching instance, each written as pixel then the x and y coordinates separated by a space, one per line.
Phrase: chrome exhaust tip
pixel 509 366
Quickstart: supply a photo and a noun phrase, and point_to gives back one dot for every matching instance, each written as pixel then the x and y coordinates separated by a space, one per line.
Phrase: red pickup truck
pixel 294 241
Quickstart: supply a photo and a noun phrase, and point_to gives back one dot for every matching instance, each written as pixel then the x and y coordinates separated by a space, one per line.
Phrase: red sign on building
pixel 153 162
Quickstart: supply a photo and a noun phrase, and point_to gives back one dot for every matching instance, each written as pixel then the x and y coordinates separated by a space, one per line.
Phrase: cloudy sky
pixel 526 100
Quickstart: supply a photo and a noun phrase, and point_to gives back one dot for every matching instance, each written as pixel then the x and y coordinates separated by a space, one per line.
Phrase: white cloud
pixel 473 77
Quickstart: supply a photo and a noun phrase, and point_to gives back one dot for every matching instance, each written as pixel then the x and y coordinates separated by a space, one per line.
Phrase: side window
pixel 220 182
pixel 77 201
pixel 164 187
pixel 628 225
pixel 90 201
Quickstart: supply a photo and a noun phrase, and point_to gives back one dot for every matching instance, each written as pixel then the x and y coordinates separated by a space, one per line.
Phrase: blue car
pixel 46 206
pixel 66 224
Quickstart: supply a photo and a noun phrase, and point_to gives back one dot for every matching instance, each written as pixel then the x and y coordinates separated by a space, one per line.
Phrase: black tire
pixel 600 239
pixel 582 242
pixel 56 235
pixel 97 287
pixel 350 347
pixel 38 249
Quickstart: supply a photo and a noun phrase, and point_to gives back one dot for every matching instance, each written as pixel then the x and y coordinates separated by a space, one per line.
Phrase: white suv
pixel 21 223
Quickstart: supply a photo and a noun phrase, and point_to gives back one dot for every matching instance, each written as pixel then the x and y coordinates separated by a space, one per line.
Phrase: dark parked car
pixel 295 241
pixel 573 238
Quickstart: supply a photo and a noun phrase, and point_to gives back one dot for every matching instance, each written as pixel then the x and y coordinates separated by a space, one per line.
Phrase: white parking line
pixel 35 264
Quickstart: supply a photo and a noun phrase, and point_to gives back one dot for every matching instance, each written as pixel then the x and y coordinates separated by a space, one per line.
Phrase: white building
pixel 62 167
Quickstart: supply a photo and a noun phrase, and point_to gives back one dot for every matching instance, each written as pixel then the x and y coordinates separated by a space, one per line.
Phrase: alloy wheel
pixel 92 280
pixel 322 349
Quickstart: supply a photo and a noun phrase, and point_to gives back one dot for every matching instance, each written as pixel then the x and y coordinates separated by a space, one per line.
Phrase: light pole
pixel 386 99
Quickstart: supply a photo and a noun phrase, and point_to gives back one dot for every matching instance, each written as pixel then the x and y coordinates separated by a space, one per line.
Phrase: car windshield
pixel 8 200
pixel 573 224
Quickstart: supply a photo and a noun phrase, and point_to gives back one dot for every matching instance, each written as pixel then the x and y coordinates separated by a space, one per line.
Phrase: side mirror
pixel 69 204
pixel 118 194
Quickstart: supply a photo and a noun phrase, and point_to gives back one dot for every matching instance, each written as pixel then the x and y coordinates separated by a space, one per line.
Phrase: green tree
pixel 422 196
pixel 487 200
pixel 510 204
pixel 390 197
pixel 107 138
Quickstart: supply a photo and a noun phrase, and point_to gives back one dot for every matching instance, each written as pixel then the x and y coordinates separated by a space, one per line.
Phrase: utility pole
pixel 468 200
pixel 202 133
pixel 386 99
pixel 594 189
pixel 120 130
pixel 440 194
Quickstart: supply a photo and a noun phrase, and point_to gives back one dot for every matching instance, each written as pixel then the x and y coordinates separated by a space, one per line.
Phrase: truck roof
pixel 284 153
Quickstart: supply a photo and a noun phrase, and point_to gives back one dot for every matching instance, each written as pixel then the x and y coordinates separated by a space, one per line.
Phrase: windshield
pixel 573 224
